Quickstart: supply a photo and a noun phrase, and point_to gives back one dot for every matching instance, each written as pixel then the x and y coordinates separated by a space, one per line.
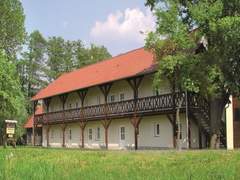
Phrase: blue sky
pixel 114 24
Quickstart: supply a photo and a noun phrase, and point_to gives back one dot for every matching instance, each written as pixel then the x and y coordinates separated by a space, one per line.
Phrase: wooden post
pixel 48 129
pixel 47 102
pixel 106 123
pixel 135 83
pixel 33 126
pixel 63 131
pixel 82 95
pixel 105 89
pixel 135 122
pixel 175 129
pixel 63 98
pixel 200 137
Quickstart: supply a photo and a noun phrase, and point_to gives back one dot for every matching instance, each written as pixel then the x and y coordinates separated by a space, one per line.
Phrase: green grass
pixel 39 163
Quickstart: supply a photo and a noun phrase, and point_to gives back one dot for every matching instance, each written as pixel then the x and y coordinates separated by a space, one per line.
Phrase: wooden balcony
pixel 161 104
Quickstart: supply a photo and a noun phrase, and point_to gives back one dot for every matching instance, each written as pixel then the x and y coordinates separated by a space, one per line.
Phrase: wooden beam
pixel 47 102
pixel 48 129
pixel 82 127
pixel 170 118
pixel 134 84
pixel 135 122
pixel 63 98
pixel 106 123
pixel 35 103
pixel 200 137
pixel 105 89
pixel 82 95
pixel 63 131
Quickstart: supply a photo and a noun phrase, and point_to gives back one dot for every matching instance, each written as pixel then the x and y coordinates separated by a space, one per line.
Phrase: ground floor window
pixel 90 133
pixel 156 129
pixel 122 133
pixel 70 134
pixel 98 135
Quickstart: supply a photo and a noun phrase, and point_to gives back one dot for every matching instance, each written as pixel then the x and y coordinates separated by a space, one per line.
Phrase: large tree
pixel 197 42
pixel 32 66
pixel 12 103
pixel 12 30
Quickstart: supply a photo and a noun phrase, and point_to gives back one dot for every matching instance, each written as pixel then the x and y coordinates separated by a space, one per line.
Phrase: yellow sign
pixel 10 130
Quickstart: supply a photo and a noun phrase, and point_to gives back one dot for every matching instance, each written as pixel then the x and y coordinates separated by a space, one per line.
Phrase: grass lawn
pixel 39 163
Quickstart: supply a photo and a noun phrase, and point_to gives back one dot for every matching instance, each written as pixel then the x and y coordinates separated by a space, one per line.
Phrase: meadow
pixel 40 163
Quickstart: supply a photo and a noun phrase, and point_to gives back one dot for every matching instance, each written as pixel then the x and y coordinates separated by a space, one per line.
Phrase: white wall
pixel 146 138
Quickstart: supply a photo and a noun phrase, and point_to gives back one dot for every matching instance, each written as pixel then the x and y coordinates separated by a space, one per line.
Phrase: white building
pixel 113 104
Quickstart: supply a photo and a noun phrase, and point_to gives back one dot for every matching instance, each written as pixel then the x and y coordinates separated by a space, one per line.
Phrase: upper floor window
pixel 111 98
pixel 69 105
pixel 76 104
pixel 98 100
pixel 156 129
pixel 121 97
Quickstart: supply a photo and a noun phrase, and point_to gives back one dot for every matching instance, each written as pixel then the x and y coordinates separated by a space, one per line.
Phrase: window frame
pixel 98 133
pixel 156 129
pixel 121 93
pixel 122 133
pixel 90 129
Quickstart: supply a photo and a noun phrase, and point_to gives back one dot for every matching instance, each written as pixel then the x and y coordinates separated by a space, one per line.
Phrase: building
pixel 29 129
pixel 113 104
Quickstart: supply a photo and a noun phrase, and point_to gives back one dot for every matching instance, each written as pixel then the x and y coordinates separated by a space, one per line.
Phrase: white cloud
pixel 123 28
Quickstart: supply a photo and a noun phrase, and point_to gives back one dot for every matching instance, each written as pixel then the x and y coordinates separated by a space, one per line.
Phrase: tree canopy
pixel 12 29
pixel 197 45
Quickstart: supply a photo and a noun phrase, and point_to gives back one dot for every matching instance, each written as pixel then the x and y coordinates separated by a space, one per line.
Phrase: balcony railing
pixel 142 106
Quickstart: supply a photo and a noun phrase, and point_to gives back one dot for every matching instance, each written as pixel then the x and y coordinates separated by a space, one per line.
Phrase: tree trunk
pixel 179 145
pixel 217 106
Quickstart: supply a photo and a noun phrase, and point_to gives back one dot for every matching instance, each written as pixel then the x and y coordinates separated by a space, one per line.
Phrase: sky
pixel 114 24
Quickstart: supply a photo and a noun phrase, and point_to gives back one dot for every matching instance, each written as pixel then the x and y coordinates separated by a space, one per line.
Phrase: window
pixel 112 98
pixel 76 105
pixel 157 129
pixel 69 105
pixel 122 133
pixel 90 133
pixel 121 96
pixel 98 135
pixel 70 134
pixel 98 100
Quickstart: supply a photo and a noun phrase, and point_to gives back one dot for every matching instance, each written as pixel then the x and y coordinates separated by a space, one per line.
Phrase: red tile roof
pixel 126 65
pixel 29 122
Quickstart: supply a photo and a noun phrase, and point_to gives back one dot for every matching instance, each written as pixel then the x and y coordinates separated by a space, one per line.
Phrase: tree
pixel 98 53
pixel 211 27
pixel 12 103
pixel 12 30
pixel 55 53
pixel 32 66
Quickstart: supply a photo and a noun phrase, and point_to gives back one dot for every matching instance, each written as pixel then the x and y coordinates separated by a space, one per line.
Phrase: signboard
pixel 9 137
pixel 10 128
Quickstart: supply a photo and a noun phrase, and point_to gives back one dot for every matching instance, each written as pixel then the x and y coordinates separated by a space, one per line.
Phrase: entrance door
pixel 122 136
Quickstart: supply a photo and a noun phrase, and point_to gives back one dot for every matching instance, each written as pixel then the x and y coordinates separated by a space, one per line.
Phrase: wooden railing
pixel 142 106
